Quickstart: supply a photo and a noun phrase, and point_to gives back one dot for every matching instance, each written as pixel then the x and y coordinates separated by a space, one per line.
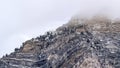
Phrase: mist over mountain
pixel 92 42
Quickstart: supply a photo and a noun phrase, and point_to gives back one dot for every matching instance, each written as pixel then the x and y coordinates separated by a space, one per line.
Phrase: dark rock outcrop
pixel 92 44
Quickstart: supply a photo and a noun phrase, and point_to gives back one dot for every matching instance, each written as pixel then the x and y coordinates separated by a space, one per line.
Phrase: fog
pixel 21 20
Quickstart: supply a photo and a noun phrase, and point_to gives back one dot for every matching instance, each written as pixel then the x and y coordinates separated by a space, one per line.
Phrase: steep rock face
pixel 92 44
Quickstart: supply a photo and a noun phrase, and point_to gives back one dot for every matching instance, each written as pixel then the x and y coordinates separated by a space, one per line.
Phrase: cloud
pixel 23 19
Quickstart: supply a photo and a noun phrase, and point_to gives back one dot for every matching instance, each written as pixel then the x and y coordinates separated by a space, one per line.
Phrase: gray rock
pixel 76 46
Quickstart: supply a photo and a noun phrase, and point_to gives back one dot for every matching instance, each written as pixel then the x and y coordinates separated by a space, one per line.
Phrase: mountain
pixel 81 43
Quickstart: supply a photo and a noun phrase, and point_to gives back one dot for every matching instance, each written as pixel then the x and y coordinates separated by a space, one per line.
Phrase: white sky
pixel 21 20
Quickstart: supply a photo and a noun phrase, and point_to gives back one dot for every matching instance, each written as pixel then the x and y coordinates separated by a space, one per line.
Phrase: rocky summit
pixel 81 43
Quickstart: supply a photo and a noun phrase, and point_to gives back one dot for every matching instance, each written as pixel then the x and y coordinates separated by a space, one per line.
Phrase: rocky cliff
pixel 90 43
